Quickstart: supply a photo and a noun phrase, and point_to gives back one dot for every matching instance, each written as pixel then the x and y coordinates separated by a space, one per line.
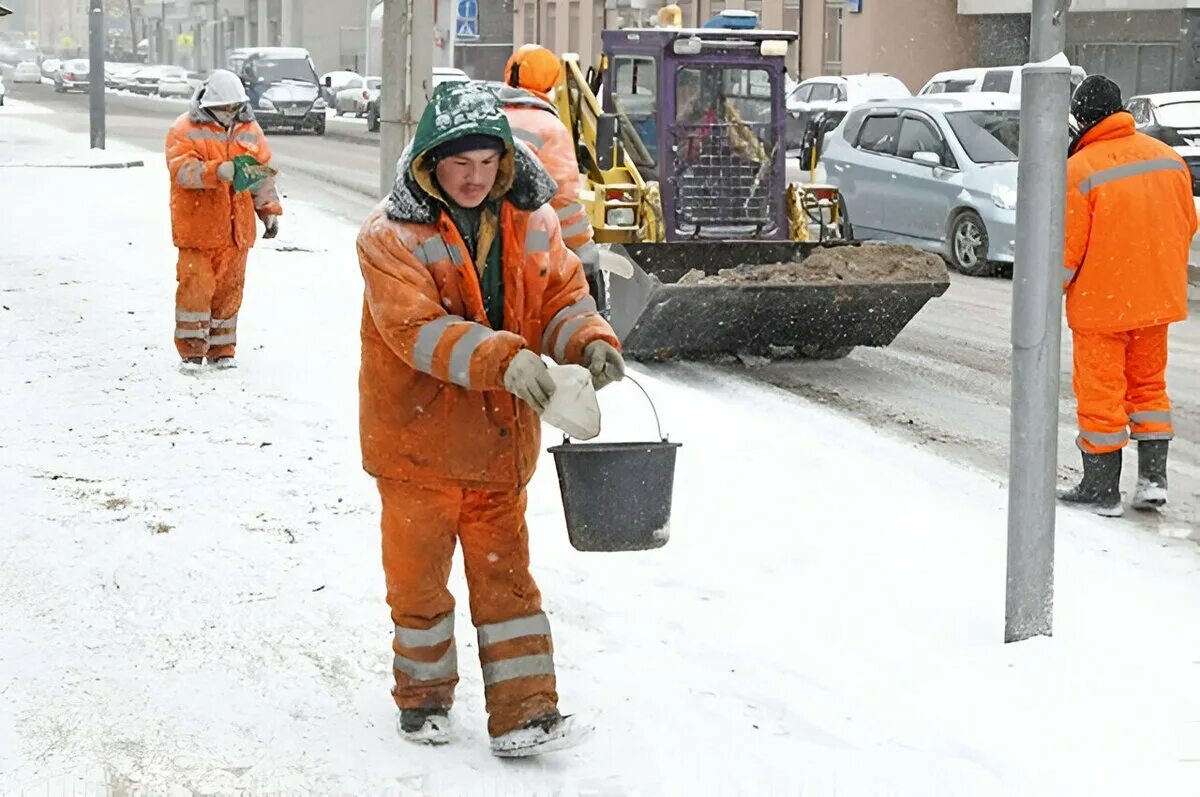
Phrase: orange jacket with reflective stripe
pixel 535 122
pixel 206 213
pixel 1130 223
pixel 433 407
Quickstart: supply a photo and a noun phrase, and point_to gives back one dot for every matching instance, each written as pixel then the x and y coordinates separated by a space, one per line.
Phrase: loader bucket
pixel 680 305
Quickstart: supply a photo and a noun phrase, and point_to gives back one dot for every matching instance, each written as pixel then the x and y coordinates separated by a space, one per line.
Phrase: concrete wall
pixel 1077 6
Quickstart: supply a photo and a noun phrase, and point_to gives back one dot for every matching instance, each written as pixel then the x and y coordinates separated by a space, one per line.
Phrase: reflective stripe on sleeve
pixel 443 631
pixel 432 250
pixel 585 306
pixel 529 137
pixel 537 241
pixel 247 138
pixel 520 667
pixel 445 667
pixel 568 212
pixel 464 349
pixel 533 625
pixel 1103 176
pixel 191 175
pixel 578 228
pixel 427 340
pixel 204 134
pixel 563 339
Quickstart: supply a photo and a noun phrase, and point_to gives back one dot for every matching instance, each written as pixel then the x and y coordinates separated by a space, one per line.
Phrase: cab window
pixel 634 98
pixel 879 134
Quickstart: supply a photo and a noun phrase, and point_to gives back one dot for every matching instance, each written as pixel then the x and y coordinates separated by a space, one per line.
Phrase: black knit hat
pixel 468 143
pixel 1096 99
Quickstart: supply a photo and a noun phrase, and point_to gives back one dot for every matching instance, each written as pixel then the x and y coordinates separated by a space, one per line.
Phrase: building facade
pixel 1144 45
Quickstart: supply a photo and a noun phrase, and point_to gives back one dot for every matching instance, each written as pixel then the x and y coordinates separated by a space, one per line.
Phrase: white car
pixel 50 67
pixel 333 82
pixel 835 96
pixel 352 97
pixel 1002 79
pixel 3 91
pixel 178 82
pixel 27 72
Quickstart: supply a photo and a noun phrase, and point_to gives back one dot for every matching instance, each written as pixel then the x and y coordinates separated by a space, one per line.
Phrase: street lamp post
pixel 96 72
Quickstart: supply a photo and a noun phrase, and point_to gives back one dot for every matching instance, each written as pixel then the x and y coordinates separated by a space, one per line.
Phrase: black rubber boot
pixel 1100 488
pixel 1151 492
pixel 425 725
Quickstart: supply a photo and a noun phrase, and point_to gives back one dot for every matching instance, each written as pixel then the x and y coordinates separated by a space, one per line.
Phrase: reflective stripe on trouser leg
pixel 230 275
pixel 419 526
pixel 515 648
pixel 1100 387
pixel 1146 398
pixel 193 301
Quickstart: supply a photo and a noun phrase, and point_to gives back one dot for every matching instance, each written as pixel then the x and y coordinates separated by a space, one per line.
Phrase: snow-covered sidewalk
pixel 191 598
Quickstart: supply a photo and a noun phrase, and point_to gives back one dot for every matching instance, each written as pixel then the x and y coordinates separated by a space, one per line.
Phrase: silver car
pixel 938 172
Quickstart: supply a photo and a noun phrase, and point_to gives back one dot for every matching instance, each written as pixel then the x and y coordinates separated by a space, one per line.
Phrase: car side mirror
pixel 328 82
pixel 928 158
pixel 606 139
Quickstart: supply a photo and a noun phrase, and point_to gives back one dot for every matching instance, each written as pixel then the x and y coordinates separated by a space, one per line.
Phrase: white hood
pixel 222 88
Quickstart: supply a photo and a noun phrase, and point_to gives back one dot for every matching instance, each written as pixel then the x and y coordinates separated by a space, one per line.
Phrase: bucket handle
pixel 654 409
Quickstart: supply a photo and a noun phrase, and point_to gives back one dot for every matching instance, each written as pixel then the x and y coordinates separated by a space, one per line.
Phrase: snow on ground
pixel 191 597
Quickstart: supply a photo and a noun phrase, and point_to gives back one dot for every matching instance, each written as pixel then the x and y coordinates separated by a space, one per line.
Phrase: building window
pixel 834 10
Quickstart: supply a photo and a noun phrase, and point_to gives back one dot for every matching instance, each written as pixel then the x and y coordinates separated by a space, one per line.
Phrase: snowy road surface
pixel 944 383
pixel 191 596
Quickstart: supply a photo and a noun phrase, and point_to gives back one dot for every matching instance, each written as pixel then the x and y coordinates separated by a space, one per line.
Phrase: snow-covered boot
pixel 223 363
pixel 424 725
pixel 1151 492
pixel 1100 488
pixel 544 735
pixel 191 365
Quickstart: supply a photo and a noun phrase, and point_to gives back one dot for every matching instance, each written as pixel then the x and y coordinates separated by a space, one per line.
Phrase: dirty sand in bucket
pixel 867 263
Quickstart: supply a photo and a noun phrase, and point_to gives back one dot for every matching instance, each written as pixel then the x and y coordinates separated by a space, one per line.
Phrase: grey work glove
pixel 225 172
pixel 529 379
pixel 270 227
pixel 604 362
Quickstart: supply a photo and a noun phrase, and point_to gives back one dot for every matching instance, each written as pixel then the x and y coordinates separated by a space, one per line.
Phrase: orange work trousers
pixel 420 527
pixel 1121 388
pixel 207 301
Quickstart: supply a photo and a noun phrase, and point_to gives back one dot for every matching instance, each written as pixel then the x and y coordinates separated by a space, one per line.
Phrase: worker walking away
pixel 1130 223
pixel 219 162
pixel 531 74
pixel 468 283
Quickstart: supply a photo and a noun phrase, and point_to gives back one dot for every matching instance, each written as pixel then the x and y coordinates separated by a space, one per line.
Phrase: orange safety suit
pixel 1130 223
pixel 213 226
pixel 452 451
pixel 535 121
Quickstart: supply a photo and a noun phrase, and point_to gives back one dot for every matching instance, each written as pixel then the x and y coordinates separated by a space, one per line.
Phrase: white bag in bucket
pixel 573 407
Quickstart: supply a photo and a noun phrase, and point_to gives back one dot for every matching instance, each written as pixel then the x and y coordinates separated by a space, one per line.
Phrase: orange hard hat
pixel 533 67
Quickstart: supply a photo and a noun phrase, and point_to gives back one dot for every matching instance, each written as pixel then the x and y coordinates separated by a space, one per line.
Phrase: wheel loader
pixel 682 148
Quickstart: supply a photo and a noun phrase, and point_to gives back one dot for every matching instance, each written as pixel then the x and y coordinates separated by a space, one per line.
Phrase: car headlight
pixel 320 104
pixel 265 105
pixel 1004 197
pixel 620 217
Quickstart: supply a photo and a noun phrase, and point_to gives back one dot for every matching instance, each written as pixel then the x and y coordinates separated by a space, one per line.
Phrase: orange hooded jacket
pixel 433 407
pixel 1130 223
pixel 206 213
pixel 535 121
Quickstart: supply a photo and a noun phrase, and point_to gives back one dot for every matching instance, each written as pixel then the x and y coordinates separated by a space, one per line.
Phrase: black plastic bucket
pixel 617 496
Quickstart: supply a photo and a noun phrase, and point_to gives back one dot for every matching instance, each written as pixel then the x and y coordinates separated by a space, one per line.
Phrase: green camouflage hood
pixel 460 109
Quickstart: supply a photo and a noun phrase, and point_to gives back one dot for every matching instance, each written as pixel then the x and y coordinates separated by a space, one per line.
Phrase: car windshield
pixel 276 69
pixel 1179 114
pixel 987 136
pixel 77 66
pixel 374 83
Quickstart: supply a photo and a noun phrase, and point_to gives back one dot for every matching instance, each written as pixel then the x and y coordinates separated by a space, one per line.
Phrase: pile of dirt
pixel 869 263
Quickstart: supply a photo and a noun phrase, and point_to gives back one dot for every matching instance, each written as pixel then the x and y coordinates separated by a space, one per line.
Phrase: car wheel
pixel 372 120
pixel 969 245
pixel 319 127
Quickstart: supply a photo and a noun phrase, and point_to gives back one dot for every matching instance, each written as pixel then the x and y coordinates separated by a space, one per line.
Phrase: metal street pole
pixel 1037 328
pixel 96 70
pixel 367 39
pixel 393 93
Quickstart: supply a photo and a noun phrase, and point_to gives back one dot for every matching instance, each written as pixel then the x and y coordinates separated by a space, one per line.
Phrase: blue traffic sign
pixel 467 20
pixel 854 6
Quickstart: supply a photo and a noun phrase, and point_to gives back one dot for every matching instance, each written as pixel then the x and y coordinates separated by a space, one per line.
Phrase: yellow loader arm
pixel 621 206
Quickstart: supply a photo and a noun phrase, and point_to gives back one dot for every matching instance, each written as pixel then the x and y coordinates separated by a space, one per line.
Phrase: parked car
pixel 835 96
pixel 50 67
pixel 3 91
pixel 282 85
pixel 350 96
pixel 146 80
pixel 440 75
pixel 333 82
pixel 73 76
pixel 114 72
pixel 937 172
pixel 27 72
pixel 1173 118
pixel 1003 79
pixel 178 82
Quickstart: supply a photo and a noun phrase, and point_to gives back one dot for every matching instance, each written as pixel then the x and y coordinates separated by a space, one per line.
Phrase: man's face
pixel 468 177
pixel 224 113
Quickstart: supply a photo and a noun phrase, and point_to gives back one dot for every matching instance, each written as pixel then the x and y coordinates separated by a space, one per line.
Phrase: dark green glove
pixel 248 173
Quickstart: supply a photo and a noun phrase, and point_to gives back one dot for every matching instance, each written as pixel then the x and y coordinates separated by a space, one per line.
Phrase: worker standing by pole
pixel 1037 327
pixel 96 71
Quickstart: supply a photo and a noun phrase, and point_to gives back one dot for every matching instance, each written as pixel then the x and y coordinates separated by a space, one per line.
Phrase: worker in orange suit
pixel 212 224
pixel 468 284
pixel 531 74
pixel 1130 223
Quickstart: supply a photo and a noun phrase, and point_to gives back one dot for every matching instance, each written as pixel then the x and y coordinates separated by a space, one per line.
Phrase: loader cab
pixel 702 112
